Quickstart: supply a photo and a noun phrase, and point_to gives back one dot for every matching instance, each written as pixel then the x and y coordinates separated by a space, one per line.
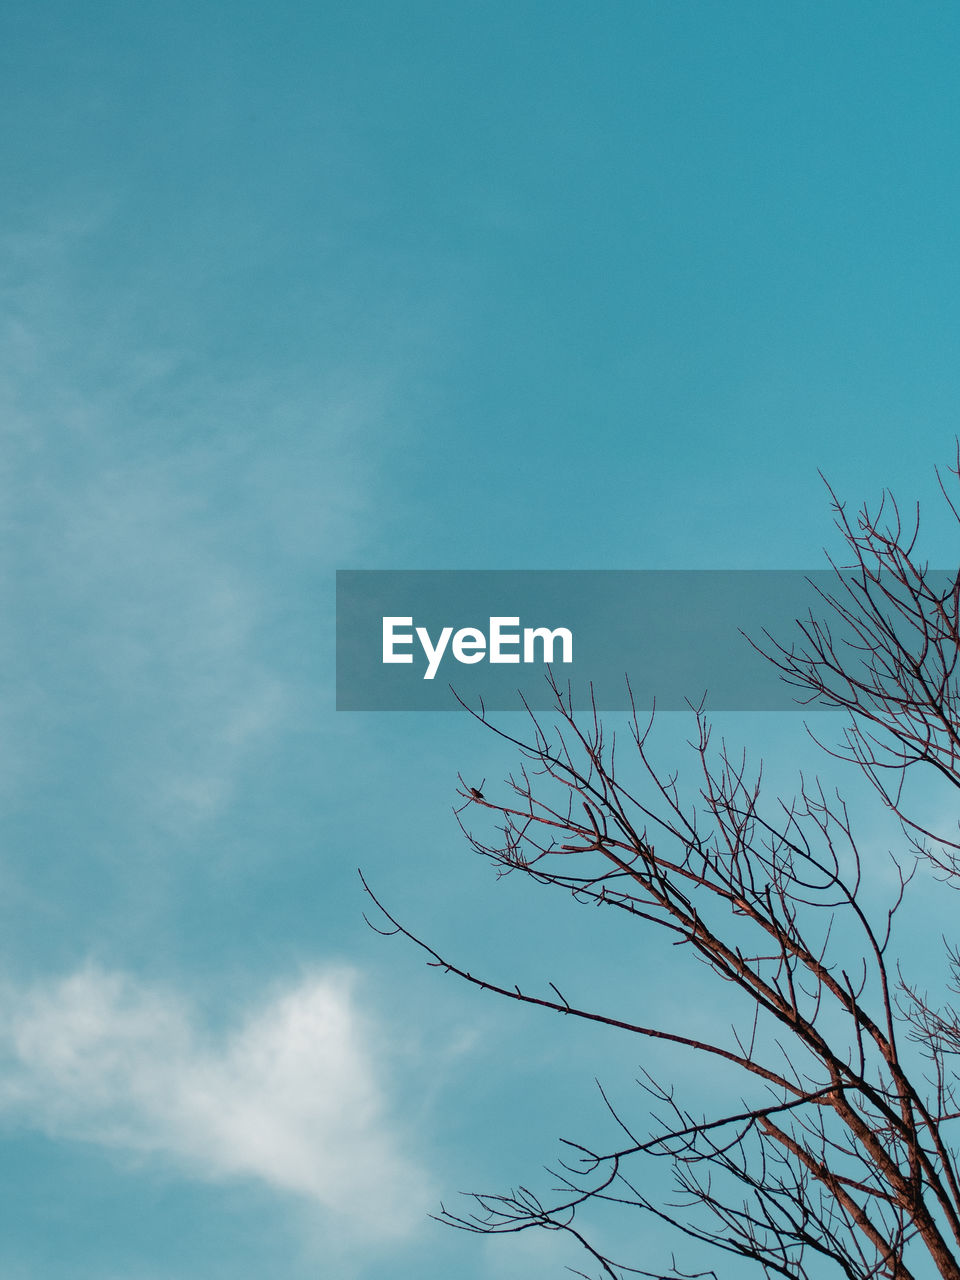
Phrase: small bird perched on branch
pixel 477 792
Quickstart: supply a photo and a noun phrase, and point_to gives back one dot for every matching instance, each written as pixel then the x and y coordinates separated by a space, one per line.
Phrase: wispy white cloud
pixel 158 511
pixel 290 1096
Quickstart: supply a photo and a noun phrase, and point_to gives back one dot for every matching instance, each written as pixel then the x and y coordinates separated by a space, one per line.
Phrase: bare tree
pixel 838 1161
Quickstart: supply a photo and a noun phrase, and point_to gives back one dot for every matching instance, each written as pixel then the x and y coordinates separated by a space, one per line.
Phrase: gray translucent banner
pixel 677 634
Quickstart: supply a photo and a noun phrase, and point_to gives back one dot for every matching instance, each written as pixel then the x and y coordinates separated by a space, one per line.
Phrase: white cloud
pixel 290 1096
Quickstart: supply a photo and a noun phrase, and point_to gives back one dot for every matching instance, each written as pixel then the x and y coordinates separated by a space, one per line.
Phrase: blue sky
pixel 387 286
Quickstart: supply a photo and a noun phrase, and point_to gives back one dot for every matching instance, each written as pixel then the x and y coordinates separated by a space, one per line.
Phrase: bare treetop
pixel 840 1159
